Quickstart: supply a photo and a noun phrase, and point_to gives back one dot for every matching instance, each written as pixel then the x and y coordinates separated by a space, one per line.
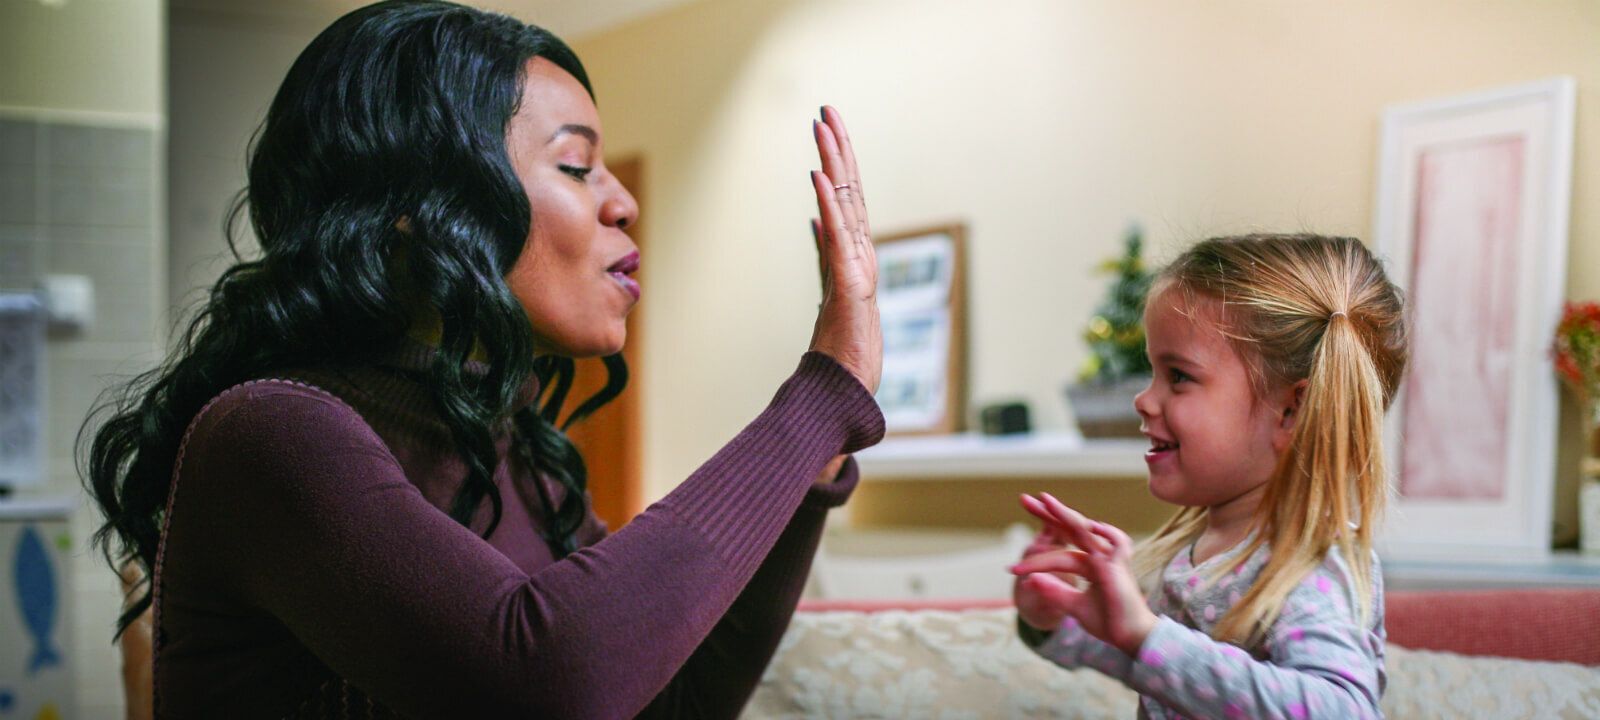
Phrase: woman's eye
pixel 580 173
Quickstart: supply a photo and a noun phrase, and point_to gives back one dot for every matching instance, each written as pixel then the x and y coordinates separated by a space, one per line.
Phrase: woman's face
pixel 574 276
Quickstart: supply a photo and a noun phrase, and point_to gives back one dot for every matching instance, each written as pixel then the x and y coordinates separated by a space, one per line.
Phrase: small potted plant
pixel 1117 369
pixel 1577 360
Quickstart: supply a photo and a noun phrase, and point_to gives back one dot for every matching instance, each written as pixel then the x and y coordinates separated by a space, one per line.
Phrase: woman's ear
pixel 1288 408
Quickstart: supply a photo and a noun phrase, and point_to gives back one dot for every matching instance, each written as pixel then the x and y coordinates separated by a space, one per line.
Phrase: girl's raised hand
pixel 1049 554
pixel 847 326
pixel 1112 608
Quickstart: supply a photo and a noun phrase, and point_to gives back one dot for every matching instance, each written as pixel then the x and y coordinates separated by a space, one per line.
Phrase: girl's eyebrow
pixel 1174 358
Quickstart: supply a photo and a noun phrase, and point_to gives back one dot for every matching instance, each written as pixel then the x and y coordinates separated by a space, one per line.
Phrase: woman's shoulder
pixel 280 409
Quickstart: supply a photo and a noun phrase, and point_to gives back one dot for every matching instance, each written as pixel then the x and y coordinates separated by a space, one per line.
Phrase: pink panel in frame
pixel 1464 296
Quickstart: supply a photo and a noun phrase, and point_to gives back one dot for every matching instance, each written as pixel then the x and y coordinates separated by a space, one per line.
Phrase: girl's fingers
pixel 1071 562
pixel 1055 591
pixel 1073 521
pixel 1066 530
pixel 1121 544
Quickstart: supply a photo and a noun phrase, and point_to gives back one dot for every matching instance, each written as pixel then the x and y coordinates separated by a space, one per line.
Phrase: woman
pixel 347 481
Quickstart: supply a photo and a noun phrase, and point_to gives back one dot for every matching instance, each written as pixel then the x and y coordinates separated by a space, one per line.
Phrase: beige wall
pixel 1046 126
pixel 97 56
pixel 82 111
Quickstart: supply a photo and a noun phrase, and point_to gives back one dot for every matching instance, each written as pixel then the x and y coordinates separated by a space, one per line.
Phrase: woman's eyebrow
pixel 575 129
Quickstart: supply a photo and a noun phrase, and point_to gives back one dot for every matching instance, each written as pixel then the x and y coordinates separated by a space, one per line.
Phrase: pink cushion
pixel 870 606
pixel 1559 625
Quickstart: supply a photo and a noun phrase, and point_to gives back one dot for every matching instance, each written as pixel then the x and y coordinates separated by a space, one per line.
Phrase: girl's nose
pixel 1144 403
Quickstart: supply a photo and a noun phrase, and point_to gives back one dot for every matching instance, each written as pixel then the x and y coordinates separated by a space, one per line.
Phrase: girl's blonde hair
pixel 1319 309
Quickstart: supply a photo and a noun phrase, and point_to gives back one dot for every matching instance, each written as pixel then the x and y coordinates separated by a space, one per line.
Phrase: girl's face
pixel 1212 440
pixel 574 275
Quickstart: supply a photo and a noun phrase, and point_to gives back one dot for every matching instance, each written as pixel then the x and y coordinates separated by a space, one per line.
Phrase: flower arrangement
pixel 1577 360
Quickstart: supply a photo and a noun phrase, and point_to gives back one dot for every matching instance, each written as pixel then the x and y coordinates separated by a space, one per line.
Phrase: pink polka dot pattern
pixel 1316 660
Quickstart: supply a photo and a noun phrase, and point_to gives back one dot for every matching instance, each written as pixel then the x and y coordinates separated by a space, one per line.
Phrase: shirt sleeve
pixel 1071 647
pixel 297 507
pixel 1320 660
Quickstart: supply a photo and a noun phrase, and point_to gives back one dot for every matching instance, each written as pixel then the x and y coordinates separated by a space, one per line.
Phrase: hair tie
pixel 1337 313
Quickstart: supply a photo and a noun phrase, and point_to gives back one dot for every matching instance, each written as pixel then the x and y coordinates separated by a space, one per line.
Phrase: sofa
pixel 1458 655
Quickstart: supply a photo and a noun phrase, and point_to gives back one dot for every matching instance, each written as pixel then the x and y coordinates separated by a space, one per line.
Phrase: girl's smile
pixel 1212 437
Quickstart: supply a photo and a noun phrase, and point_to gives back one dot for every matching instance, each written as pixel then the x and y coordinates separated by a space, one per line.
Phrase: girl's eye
pixel 1178 376
pixel 578 173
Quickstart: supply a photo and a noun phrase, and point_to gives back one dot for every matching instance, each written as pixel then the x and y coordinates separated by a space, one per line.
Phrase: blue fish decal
pixel 36 596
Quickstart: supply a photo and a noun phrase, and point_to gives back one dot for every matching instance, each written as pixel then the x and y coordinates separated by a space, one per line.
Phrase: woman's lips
pixel 629 284
pixel 621 269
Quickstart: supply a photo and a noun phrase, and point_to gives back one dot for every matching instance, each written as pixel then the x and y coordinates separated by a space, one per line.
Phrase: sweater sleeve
pixel 1071 647
pixel 1321 662
pixel 724 671
pixel 304 513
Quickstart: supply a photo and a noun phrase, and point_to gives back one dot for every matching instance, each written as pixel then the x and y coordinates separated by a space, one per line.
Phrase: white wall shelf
pixel 1561 569
pixel 969 455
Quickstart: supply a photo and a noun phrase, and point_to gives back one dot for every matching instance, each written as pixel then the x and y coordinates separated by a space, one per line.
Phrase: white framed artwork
pixel 1471 216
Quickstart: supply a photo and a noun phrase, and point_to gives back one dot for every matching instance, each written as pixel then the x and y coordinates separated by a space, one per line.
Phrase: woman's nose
pixel 620 210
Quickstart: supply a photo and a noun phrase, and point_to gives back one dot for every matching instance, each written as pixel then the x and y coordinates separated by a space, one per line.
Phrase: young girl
pixel 1274 358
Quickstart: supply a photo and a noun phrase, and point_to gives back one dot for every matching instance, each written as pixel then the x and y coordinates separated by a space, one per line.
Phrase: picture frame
pixel 922 306
pixel 1471 216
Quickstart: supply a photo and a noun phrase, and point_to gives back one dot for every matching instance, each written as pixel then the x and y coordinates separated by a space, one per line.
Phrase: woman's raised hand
pixel 847 326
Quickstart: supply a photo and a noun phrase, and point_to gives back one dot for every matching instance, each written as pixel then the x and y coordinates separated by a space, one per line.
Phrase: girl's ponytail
pixel 1318 311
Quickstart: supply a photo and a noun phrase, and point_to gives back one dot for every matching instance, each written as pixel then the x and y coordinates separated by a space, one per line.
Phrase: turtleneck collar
pixel 415 357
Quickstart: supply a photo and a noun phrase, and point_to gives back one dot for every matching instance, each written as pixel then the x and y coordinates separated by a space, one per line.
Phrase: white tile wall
pixel 84 200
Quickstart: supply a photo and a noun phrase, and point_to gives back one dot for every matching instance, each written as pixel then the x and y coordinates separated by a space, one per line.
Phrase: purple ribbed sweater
pixel 308 570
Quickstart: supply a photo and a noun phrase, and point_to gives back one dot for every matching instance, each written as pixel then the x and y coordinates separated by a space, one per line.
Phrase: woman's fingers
pixel 852 172
pixel 833 165
pixel 822 257
pixel 838 252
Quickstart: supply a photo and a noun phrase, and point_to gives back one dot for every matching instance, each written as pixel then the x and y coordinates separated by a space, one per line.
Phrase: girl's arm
pixel 1320 662
pixel 1071 647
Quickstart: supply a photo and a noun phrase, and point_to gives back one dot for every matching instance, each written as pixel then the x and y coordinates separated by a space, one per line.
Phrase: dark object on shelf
pixel 1005 419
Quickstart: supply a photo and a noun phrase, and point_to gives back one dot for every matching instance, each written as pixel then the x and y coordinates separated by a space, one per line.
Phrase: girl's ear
pixel 1288 407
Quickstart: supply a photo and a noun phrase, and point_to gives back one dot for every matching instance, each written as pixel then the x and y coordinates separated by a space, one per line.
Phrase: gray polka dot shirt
pixel 1318 659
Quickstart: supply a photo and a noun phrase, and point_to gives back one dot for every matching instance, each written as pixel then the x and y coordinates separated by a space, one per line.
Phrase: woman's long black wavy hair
pixel 380 191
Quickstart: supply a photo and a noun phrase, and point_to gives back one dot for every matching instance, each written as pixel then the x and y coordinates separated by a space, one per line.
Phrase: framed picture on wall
pixel 922 303
pixel 1472 210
